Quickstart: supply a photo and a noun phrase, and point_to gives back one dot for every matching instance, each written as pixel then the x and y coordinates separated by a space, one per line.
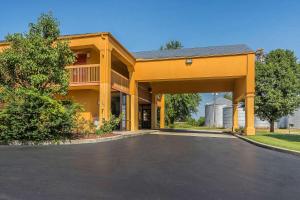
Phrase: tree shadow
pixel 286 137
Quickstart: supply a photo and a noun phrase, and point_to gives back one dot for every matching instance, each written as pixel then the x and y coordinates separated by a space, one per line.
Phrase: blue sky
pixel 147 24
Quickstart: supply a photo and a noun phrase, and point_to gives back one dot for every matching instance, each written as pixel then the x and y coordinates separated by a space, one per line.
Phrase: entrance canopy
pixel 195 70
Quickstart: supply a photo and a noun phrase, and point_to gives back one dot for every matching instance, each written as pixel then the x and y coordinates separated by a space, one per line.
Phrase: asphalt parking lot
pixel 149 167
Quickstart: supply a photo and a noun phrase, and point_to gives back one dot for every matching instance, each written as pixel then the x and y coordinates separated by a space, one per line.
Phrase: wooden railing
pixel 84 74
pixel 90 75
pixel 119 82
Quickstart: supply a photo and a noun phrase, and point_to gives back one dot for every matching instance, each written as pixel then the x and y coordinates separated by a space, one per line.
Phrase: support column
pixel 162 111
pixel 105 81
pixel 249 96
pixel 134 103
pixel 235 116
pixel 153 111
pixel 249 108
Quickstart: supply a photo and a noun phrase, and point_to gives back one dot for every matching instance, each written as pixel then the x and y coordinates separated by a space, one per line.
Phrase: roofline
pixel 4 43
pixel 185 57
pixel 121 45
pixel 75 36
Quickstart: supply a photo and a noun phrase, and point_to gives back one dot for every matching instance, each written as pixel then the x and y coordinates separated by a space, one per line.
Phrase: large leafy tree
pixel 32 74
pixel 277 85
pixel 179 106
pixel 36 60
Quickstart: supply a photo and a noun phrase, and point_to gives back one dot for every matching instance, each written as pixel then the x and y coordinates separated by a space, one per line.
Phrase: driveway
pixel 150 167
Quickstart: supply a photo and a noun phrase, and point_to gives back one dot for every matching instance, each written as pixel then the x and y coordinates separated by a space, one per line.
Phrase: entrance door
pixel 118 106
pixel 145 116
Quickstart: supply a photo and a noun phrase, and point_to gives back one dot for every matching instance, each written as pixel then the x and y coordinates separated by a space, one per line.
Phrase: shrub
pixel 201 121
pixel 239 130
pixel 28 115
pixel 32 74
pixel 83 128
pixel 109 125
pixel 191 121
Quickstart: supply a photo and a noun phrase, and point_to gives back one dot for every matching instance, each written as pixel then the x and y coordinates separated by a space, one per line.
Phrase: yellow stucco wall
pixel 87 98
pixel 177 69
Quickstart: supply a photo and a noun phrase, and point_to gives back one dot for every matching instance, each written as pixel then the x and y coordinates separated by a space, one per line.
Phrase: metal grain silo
pixel 258 123
pixel 214 115
pixel 295 119
pixel 283 122
pixel 214 112
pixel 227 117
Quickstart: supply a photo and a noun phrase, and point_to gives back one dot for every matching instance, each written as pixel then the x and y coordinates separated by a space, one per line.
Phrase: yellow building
pixel 107 78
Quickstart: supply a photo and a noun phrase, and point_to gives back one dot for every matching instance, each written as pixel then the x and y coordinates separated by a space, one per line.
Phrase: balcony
pixel 119 82
pixel 89 75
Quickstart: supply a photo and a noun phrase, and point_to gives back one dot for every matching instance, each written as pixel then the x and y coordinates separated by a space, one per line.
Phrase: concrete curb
pixel 266 146
pixel 81 141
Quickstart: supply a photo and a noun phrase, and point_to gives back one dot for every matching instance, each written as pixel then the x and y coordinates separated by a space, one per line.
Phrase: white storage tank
pixel 258 123
pixel 214 112
pixel 295 119
pixel 227 117
pixel 214 115
pixel 283 122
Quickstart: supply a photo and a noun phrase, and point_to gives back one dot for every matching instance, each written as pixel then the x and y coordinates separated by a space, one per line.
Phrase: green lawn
pixel 184 125
pixel 288 141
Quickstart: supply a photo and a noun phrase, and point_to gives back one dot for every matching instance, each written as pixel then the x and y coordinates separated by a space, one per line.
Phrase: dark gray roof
pixel 192 52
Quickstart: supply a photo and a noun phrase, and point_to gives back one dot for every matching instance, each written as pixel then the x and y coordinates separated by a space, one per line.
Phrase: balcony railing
pixel 81 75
pixel 84 74
pixel 119 82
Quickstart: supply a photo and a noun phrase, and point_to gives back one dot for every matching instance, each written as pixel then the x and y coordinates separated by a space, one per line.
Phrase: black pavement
pixel 149 167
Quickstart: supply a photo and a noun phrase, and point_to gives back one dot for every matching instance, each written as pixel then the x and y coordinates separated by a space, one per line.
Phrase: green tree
pixel 173 44
pixel 277 86
pixel 228 96
pixel 32 74
pixel 179 106
pixel 37 60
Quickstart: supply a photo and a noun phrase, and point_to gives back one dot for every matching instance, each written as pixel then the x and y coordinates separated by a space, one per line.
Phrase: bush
pixel 201 121
pixel 191 121
pixel 28 115
pixel 239 130
pixel 109 125
pixel 83 128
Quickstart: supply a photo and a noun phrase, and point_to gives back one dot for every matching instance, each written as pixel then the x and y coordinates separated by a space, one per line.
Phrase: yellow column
pixel 235 116
pixel 162 111
pixel 153 111
pixel 249 96
pixel 249 108
pixel 105 81
pixel 134 103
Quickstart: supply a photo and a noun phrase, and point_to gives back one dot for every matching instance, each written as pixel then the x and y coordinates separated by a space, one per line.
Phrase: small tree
pixel 32 73
pixel 277 86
